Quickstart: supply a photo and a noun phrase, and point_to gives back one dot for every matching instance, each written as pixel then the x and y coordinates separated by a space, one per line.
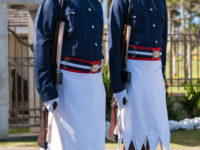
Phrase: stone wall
pixel 31 5
pixel 3 72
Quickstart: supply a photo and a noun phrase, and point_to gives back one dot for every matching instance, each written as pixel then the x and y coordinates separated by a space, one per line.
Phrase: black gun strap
pixel 61 9
pixel 129 12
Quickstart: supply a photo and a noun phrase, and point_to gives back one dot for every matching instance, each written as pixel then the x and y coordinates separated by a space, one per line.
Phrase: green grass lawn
pixel 31 142
pixel 180 75
pixel 18 131
pixel 186 138
pixel 179 139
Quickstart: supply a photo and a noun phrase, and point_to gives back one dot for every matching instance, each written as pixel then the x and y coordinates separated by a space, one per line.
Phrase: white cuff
pixel 49 104
pixel 120 96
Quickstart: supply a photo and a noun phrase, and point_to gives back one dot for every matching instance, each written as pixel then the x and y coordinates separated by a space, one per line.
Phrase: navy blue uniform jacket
pixel 149 29
pixel 82 37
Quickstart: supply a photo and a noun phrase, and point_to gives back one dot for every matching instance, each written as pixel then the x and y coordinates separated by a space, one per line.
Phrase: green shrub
pixel 191 102
pixel 172 114
pixel 175 110
pixel 106 79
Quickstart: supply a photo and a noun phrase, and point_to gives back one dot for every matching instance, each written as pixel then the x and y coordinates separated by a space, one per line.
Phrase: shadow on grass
pixel 186 138
pixel 24 142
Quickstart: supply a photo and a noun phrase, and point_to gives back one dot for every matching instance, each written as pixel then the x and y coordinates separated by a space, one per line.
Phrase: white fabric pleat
pixel 145 143
pixel 127 142
pixel 79 119
pixel 153 142
pixel 165 141
pixel 146 116
pixel 140 141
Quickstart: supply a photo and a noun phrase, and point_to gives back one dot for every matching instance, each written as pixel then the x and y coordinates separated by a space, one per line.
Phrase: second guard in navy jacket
pixel 144 117
pixel 79 119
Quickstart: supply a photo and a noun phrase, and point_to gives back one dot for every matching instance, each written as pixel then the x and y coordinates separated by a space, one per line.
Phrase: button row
pixel 92 26
pixel 151 9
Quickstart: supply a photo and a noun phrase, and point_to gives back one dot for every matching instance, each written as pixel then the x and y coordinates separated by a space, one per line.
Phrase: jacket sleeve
pixel 165 36
pixel 118 12
pixel 44 30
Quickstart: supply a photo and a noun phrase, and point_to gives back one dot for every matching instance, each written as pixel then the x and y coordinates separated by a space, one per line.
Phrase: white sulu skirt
pixel 79 119
pixel 145 117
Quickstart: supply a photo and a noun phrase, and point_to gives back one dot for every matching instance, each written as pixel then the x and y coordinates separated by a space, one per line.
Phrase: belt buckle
pixel 134 52
pixel 66 61
pixel 94 68
pixel 156 54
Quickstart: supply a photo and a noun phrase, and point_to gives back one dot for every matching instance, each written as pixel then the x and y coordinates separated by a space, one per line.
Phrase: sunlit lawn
pixel 179 139
pixel 17 131
pixel 31 142
pixel 180 75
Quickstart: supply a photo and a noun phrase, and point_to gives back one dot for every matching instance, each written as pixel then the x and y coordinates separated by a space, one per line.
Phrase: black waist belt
pixel 80 65
pixel 144 53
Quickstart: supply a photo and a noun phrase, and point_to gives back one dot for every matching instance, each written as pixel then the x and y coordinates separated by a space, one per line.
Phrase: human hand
pixel 122 98
pixel 52 104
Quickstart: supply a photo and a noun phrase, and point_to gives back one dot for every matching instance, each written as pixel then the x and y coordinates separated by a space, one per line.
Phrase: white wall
pixel 3 72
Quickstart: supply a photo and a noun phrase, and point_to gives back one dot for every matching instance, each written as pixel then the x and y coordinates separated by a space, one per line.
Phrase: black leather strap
pixel 129 12
pixel 61 9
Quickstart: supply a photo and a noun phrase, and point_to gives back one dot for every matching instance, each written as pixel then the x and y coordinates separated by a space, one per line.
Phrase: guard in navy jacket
pixel 79 119
pixel 145 117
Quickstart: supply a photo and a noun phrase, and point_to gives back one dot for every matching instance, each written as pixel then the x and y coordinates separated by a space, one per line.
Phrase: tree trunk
pixel 169 50
pixel 184 45
pixel 108 8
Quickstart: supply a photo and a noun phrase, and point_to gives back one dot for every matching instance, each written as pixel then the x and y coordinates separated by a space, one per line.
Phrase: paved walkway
pixel 17 148
pixel 14 148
